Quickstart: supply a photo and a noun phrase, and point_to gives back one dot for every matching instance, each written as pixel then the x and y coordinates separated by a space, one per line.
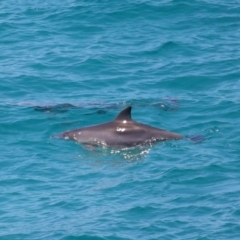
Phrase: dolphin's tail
pixel 196 138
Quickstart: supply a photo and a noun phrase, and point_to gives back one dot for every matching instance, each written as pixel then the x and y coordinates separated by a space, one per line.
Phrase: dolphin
pixel 122 132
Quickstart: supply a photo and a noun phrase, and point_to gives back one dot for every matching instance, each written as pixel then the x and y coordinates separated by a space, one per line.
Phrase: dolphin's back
pixel 121 132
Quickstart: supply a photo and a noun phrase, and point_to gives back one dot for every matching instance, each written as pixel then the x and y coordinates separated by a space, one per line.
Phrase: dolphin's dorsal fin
pixel 125 114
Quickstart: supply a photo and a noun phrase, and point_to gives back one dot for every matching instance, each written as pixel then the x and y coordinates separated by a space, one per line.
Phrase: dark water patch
pixel 168 104
pixel 59 108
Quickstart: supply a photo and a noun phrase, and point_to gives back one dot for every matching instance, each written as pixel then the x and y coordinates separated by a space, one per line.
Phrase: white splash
pixel 120 129
pixel 74 137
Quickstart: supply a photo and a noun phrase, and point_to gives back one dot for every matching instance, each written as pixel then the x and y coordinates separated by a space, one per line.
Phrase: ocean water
pixel 68 64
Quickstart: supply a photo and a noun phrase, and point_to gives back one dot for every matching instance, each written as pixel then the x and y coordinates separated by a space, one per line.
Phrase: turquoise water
pixel 78 63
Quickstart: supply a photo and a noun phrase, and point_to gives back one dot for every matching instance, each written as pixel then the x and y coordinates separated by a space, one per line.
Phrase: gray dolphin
pixel 119 133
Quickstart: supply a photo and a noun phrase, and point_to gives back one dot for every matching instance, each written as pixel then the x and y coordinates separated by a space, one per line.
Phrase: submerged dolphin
pixel 119 133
